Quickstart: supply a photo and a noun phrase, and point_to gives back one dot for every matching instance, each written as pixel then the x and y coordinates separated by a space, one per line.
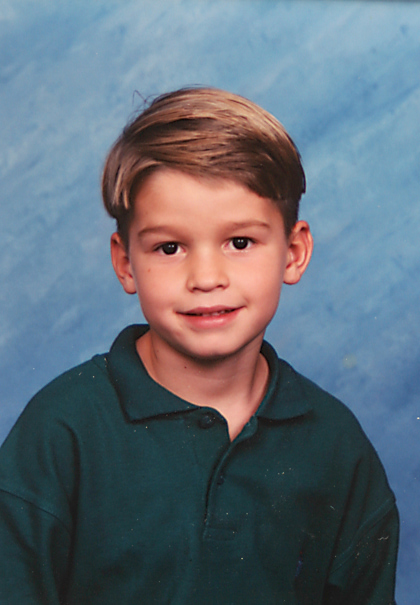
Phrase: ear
pixel 121 264
pixel 299 254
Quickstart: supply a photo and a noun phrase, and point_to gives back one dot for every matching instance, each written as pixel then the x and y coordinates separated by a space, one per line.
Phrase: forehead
pixel 181 195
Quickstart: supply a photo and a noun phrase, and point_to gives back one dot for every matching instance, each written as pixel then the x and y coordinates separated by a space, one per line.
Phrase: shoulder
pixel 80 390
pixel 83 382
pixel 44 453
pixel 292 396
pixel 67 418
pixel 336 424
pixel 72 393
pixel 335 450
pixel 324 406
pixel 324 430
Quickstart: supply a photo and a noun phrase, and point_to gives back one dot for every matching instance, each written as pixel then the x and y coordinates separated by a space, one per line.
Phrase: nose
pixel 207 271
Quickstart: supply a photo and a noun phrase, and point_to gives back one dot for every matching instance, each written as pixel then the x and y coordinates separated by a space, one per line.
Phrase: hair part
pixel 210 133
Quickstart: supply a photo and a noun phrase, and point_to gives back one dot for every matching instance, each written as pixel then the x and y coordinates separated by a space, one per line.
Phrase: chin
pixel 213 352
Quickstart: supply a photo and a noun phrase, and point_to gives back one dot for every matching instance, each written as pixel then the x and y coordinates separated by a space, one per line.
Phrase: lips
pixel 209 312
pixel 209 318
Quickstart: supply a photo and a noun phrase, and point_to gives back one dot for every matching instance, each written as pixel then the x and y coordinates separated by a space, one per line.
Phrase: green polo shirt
pixel 113 490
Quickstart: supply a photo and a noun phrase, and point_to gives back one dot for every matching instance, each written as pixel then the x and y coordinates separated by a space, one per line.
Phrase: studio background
pixel 342 76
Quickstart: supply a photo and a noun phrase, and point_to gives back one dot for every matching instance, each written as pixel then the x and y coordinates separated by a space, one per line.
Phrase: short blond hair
pixel 204 132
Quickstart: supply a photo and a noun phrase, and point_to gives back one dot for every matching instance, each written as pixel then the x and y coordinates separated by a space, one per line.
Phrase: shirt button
pixel 207 420
pixel 220 479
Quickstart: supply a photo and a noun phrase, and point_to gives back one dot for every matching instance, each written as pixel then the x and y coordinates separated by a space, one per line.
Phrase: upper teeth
pixel 213 314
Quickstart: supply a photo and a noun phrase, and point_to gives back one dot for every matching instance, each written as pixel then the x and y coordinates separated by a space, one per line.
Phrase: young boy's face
pixel 207 259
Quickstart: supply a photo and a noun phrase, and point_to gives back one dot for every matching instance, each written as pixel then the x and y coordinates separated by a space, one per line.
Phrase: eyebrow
pixel 247 224
pixel 234 225
pixel 157 229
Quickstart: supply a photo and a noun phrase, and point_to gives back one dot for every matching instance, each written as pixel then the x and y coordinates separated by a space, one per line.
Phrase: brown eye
pixel 240 243
pixel 169 248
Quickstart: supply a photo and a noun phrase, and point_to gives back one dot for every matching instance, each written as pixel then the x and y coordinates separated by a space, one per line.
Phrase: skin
pixel 207 259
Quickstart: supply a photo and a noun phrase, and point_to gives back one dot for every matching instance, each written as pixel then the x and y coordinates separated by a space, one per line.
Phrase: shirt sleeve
pixel 364 566
pixel 37 486
pixel 33 553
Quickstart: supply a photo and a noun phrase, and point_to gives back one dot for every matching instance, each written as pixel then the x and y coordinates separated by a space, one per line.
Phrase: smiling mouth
pixel 209 313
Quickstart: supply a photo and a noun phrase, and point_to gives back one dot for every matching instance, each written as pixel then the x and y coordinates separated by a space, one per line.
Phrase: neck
pixel 234 386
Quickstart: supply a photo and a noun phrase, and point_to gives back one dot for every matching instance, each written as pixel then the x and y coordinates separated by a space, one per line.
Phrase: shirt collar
pixel 285 397
pixel 141 397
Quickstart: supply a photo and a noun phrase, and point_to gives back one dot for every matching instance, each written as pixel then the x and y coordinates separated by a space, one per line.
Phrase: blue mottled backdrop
pixel 344 79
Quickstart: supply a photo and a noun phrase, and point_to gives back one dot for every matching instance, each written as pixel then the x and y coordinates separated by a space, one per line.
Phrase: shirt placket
pixel 221 521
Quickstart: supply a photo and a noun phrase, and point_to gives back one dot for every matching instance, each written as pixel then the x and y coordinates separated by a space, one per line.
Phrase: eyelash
pixel 238 243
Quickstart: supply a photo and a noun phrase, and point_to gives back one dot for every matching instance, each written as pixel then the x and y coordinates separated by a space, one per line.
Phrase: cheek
pixel 266 277
pixel 154 287
pixel 267 290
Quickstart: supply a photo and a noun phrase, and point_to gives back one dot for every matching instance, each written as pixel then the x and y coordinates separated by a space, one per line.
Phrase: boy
pixel 189 464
